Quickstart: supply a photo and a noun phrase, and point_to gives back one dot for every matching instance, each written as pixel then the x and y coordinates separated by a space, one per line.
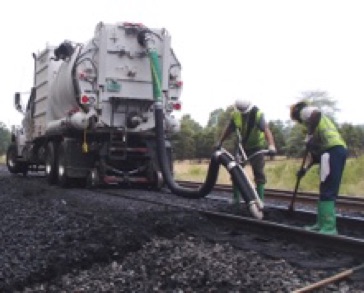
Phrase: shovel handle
pixel 330 280
pixel 293 200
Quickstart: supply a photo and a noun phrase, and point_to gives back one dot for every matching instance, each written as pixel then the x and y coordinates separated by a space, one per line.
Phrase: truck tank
pixel 110 77
pixel 90 114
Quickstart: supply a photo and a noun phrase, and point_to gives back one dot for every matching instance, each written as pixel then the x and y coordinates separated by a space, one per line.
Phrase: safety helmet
pixel 243 106
pixel 295 110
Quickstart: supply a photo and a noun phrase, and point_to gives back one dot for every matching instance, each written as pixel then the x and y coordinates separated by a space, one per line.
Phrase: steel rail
pixel 345 202
pixel 339 242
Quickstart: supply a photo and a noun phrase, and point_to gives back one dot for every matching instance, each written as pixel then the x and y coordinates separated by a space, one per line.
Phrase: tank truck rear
pixel 90 113
pixel 101 113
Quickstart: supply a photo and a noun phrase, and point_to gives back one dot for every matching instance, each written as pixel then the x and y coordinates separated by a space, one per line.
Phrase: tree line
pixel 4 138
pixel 197 142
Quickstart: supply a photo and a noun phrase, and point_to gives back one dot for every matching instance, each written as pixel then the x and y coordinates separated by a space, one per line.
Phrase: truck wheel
pixel 12 163
pixel 63 179
pixel 51 163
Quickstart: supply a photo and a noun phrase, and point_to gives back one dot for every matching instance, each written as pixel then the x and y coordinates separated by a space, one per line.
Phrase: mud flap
pixel 79 163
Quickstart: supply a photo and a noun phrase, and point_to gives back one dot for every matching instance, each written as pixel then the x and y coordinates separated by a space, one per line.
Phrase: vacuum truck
pixel 90 113
pixel 101 112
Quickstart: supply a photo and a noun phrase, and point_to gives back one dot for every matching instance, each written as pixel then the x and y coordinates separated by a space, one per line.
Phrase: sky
pixel 267 51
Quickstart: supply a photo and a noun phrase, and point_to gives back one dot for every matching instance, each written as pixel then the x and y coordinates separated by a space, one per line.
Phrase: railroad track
pixel 344 202
pixel 354 245
pixel 266 229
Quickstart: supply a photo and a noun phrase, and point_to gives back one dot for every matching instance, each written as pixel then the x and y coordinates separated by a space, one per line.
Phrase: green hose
pixel 156 75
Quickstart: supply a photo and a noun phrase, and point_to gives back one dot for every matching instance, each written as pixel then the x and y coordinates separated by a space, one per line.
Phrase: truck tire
pixel 51 163
pixel 12 163
pixel 63 178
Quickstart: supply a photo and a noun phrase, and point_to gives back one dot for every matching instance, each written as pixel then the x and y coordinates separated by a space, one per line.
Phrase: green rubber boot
pixel 236 195
pixel 328 218
pixel 317 225
pixel 260 190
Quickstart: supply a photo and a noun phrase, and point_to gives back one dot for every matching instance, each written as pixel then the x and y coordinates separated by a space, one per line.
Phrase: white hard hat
pixel 243 106
pixel 306 112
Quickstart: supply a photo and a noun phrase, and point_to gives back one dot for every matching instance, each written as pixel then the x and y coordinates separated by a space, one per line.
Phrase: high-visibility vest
pixel 326 135
pixel 256 137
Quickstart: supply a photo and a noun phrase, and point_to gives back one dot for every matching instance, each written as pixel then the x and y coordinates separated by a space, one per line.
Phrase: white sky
pixel 269 51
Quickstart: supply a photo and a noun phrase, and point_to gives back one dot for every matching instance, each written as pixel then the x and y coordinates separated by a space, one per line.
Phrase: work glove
pixel 272 150
pixel 301 172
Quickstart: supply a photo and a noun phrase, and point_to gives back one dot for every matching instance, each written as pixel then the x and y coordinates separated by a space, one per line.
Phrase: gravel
pixel 76 240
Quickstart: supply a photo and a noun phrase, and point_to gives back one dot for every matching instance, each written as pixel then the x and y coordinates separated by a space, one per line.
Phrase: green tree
pixel 4 138
pixel 215 116
pixel 205 140
pixel 295 142
pixel 353 136
pixel 322 100
pixel 184 142
pixel 278 130
pixel 224 119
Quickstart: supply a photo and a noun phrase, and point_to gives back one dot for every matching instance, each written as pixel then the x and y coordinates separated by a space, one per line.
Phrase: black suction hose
pixel 218 157
pixel 238 176
pixel 212 172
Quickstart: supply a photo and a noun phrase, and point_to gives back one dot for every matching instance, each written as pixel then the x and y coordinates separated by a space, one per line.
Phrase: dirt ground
pixel 77 240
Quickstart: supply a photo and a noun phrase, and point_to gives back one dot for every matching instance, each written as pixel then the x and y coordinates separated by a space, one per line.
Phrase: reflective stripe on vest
pixel 256 137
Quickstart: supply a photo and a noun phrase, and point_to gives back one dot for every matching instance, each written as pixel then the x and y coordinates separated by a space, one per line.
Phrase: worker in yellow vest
pixel 324 141
pixel 255 134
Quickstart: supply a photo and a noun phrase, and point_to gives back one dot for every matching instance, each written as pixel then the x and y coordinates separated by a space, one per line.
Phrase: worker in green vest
pixel 255 134
pixel 325 143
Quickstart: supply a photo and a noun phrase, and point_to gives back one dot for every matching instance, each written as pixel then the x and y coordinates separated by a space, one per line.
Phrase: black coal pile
pixel 60 240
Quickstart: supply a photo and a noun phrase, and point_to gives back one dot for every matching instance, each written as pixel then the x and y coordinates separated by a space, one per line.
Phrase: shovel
pixel 335 278
pixel 291 207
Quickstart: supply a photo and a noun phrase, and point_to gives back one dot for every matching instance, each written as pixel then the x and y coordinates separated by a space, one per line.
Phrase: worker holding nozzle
pixel 249 123
pixel 326 147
